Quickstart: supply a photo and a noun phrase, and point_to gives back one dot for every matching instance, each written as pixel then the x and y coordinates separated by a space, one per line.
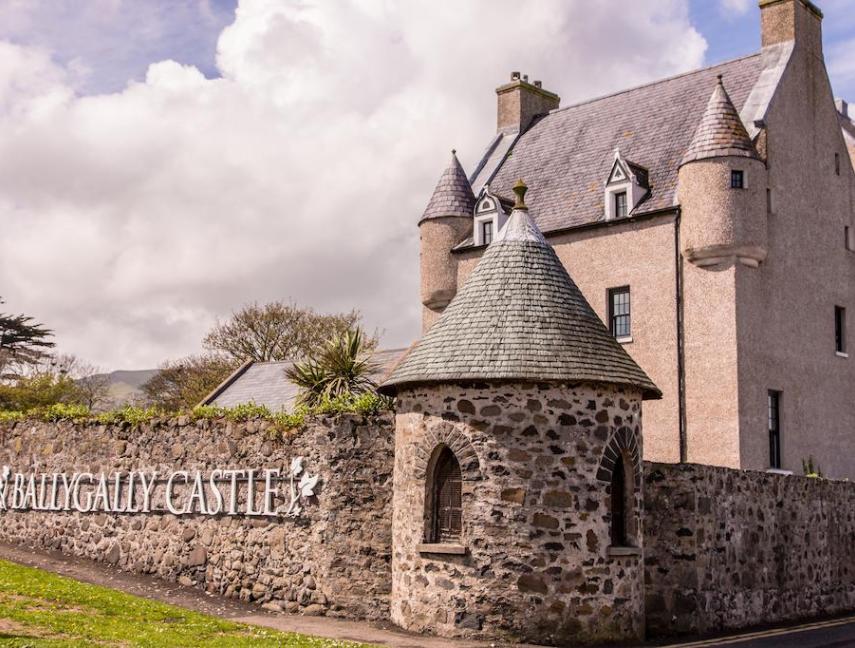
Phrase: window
pixel 847 238
pixel 619 313
pixel 774 429
pixel 487 232
pixel 737 179
pixel 620 204
pixel 447 509
pixel 619 507
pixel 837 163
pixel 768 201
pixel 840 329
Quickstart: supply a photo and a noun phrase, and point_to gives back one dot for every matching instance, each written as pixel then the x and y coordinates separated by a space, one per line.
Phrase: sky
pixel 164 162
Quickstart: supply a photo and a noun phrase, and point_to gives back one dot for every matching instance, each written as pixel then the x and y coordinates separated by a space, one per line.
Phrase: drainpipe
pixel 681 364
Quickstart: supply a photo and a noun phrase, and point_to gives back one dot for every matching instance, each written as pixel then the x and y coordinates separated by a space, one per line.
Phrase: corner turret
pixel 722 190
pixel 446 221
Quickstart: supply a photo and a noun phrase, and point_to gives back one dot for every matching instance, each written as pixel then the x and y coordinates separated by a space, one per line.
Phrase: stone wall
pixel 726 549
pixel 334 558
pixel 534 560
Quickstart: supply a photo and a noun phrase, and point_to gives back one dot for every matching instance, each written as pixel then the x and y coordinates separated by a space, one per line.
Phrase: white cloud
pixel 739 7
pixel 131 220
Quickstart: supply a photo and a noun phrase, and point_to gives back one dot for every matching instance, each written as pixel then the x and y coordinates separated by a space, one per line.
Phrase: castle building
pixel 709 219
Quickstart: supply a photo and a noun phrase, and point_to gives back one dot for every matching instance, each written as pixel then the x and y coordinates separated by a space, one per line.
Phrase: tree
pixel 277 331
pixel 181 384
pixel 93 385
pixel 55 379
pixel 22 342
pixel 343 366
pixel 37 390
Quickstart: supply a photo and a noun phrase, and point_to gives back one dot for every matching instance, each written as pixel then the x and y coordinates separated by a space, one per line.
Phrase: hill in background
pixel 126 386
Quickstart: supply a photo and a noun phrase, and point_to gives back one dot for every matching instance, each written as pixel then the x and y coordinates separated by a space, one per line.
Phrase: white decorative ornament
pixel 4 479
pixel 296 466
pixel 304 488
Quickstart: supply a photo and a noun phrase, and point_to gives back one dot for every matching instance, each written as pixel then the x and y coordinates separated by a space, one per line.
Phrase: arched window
pixel 619 507
pixel 447 513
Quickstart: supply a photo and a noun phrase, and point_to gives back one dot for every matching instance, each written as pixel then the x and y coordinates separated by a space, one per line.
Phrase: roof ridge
pixel 653 83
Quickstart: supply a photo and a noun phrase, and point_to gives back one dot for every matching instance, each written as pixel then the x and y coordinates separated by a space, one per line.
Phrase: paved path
pixel 834 633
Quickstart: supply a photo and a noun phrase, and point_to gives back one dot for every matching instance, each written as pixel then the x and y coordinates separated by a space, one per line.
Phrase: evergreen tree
pixel 23 341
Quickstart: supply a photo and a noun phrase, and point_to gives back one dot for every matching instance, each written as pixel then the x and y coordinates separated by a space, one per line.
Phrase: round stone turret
pixel 446 221
pixel 517 488
pixel 722 190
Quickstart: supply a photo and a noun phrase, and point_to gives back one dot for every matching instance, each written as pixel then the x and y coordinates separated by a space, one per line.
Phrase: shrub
pixel 342 367
pixel 809 470
pixel 365 404
pixel 63 412
pixel 247 412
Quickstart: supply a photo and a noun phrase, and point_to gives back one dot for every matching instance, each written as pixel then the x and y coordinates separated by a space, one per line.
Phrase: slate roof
pixel 721 131
pixel 453 194
pixel 519 316
pixel 265 383
pixel 565 156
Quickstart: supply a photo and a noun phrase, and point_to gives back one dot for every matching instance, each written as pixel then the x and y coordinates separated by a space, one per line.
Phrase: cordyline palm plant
pixel 342 367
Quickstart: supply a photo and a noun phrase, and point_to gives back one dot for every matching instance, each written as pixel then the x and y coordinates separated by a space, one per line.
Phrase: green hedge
pixel 368 404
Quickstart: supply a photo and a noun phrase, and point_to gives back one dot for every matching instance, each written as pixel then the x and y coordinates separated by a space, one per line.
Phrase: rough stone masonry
pixel 333 558
pixel 723 549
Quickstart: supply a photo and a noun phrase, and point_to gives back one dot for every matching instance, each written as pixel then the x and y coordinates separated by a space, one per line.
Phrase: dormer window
pixel 626 187
pixel 490 216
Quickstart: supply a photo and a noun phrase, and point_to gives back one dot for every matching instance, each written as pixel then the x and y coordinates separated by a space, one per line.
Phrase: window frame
pixel 840 331
pixel 477 230
pixel 435 533
pixel 619 507
pixel 617 196
pixel 740 174
pixel 773 423
pixel 613 316
pixel 485 225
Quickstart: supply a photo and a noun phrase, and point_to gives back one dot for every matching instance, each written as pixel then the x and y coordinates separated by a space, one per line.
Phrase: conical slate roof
pixel 721 131
pixel 519 316
pixel 453 194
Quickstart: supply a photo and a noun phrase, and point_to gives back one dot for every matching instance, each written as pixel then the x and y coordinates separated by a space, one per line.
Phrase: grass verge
pixel 39 608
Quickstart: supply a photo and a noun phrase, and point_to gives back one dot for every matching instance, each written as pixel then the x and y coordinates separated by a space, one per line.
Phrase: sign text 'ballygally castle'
pixel 244 492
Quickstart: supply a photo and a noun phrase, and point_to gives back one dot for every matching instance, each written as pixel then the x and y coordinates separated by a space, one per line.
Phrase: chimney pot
pixel 515 76
pixel 538 84
pixel 842 107
pixel 525 78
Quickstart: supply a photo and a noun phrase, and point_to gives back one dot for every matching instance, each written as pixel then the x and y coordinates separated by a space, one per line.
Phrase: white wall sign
pixel 181 492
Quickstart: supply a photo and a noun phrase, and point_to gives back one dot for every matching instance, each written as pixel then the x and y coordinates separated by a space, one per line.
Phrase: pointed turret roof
pixel 519 316
pixel 453 194
pixel 721 131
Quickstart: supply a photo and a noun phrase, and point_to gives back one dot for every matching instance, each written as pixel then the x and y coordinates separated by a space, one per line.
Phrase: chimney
pixel 521 101
pixel 842 107
pixel 791 20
